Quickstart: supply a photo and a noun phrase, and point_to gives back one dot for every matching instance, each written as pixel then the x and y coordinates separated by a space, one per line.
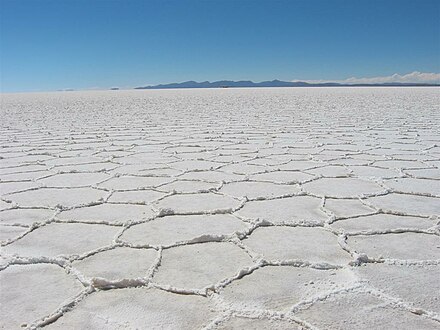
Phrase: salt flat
pixel 289 208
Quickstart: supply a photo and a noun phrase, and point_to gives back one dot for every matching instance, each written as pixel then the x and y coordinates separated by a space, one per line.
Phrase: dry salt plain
pixel 221 209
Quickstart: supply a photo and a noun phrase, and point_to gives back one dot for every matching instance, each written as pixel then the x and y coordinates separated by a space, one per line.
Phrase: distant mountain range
pixel 273 83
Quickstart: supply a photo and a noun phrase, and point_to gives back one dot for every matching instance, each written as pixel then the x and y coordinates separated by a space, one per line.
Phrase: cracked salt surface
pixel 216 209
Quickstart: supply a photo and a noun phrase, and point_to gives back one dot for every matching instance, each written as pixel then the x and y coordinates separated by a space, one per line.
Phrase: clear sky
pixel 50 45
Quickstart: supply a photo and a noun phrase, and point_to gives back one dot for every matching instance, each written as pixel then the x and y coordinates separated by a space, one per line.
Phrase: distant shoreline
pixel 113 89
pixel 274 83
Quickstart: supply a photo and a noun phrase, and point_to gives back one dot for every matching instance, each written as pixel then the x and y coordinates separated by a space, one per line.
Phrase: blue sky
pixel 80 44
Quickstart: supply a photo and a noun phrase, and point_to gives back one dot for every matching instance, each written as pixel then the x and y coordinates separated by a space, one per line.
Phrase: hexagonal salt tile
pixel 73 160
pixel 299 165
pixel 312 244
pixel 342 187
pixel 108 213
pixel 242 168
pixel 329 171
pixel 11 187
pixel 136 308
pixel 197 203
pixel 200 265
pixel 23 169
pixel 408 204
pixel 400 164
pixel 133 169
pixel 374 172
pixel 412 185
pixel 181 186
pixel 134 182
pixel 212 176
pixel 90 167
pixel 287 177
pixel 24 176
pixel 52 197
pixel 117 263
pixel 147 158
pixel 428 173
pixel 381 222
pixel 410 246
pixel 135 196
pixel 62 239
pixel 73 179
pixel 296 209
pixel 172 229
pixel 345 208
pixel 25 217
pixel 257 190
pixel 192 165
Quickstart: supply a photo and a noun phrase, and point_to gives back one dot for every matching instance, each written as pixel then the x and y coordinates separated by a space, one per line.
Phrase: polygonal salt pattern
pixel 194 197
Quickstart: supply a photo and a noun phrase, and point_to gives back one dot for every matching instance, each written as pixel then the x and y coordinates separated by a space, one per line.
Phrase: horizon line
pixel 415 78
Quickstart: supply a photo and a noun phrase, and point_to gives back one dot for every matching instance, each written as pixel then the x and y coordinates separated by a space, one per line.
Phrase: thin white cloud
pixel 413 77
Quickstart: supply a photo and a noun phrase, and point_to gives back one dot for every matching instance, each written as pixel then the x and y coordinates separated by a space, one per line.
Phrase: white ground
pixel 221 209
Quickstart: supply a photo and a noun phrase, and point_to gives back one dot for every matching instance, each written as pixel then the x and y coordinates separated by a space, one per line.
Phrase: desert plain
pixel 247 208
